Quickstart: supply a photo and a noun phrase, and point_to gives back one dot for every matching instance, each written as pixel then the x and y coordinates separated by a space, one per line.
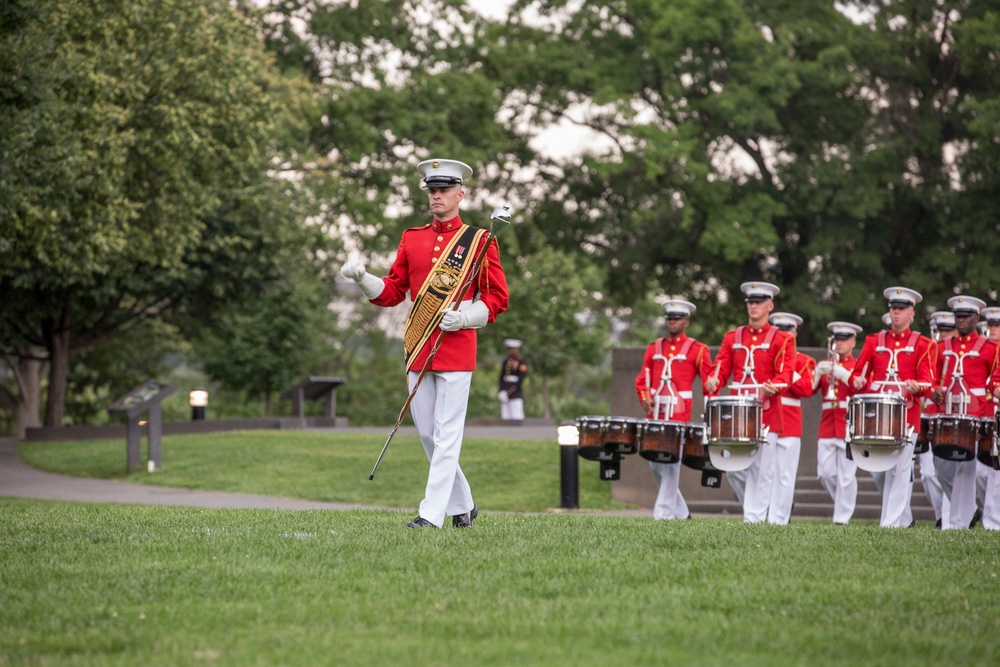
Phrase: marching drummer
pixel 789 443
pixel 967 365
pixel 988 478
pixel 759 358
pixel 898 361
pixel 664 387
pixel 836 472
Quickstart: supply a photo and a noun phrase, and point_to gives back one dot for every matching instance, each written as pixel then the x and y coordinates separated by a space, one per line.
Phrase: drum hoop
pixel 739 399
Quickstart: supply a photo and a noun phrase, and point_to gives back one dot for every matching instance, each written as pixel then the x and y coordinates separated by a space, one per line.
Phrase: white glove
pixel 824 367
pixel 371 286
pixel 502 395
pixel 470 315
pixel 841 373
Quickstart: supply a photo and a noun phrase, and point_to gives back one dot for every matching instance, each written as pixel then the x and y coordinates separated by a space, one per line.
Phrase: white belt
pixel 978 391
pixel 511 378
pixel 682 394
pixel 796 402
pixel 828 405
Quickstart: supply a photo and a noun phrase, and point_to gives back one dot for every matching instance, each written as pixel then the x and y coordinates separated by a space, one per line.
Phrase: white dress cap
pixel 443 173
pixel 782 320
pixel 966 304
pixel 943 319
pixel 511 342
pixel 758 291
pixel 844 329
pixel 991 314
pixel 903 296
pixel 678 308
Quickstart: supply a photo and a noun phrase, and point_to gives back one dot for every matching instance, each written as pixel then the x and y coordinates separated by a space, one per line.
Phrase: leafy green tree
pixel 552 310
pixel 137 140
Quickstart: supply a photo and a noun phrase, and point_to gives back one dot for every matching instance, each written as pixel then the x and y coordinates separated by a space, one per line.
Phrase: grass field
pixel 120 585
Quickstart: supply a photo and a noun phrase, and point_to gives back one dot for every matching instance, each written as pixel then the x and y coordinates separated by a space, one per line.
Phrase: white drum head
pixel 876 458
pixel 732 458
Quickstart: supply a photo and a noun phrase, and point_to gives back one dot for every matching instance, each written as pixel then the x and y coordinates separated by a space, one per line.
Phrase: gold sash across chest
pixel 440 289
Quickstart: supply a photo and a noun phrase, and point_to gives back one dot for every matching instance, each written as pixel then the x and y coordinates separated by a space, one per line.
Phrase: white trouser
pixel 786 468
pixel 982 475
pixel 958 479
pixel 669 501
pixel 753 485
pixel 932 487
pixel 896 487
pixel 512 408
pixel 839 476
pixel 991 497
pixel 438 410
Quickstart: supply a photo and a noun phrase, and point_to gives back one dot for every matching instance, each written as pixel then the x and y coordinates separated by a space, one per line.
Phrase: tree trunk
pixel 26 403
pixel 55 406
pixel 268 408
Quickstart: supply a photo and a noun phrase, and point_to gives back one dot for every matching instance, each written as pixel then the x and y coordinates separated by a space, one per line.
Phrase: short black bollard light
pixel 198 398
pixel 568 437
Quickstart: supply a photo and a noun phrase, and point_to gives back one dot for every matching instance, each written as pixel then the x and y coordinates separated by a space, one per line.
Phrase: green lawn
pixel 123 585
pixel 135 585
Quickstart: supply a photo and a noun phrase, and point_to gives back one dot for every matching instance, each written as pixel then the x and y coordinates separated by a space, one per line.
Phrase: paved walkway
pixel 20 480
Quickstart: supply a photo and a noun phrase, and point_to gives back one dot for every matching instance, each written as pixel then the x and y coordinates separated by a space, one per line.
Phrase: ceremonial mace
pixel 502 214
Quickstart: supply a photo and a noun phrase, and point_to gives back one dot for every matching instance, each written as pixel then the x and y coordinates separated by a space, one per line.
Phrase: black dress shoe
pixel 465 520
pixel 937 524
pixel 420 522
pixel 976 518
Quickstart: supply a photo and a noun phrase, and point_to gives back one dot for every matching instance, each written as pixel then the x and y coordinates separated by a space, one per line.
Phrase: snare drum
pixel 591 437
pixel 662 441
pixel 733 420
pixel 955 437
pixel 877 419
pixel 695 453
pixel 925 435
pixel 986 435
pixel 621 435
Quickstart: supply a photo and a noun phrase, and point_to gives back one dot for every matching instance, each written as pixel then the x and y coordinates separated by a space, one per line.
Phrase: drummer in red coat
pixel 432 264
pixel 898 361
pixel 664 386
pixel 759 359
pixel 967 365
pixel 789 443
pixel 836 472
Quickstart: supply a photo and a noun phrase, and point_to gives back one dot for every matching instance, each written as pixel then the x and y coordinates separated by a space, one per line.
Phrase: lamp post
pixel 568 437
pixel 198 398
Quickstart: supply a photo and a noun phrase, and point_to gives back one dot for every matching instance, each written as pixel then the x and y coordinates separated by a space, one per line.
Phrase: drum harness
pixel 959 394
pixel 749 369
pixel 892 384
pixel 671 401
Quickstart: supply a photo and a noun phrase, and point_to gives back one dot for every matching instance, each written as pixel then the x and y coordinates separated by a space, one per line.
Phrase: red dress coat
pixel 915 361
pixel 833 420
pixel 773 363
pixel 419 250
pixel 697 362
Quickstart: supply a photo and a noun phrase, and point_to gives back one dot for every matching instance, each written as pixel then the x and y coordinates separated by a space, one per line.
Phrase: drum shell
pixel 733 420
pixel 985 452
pixel 924 435
pixel 662 441
pixel 956 437
pixel 591 443
pixel 877 419
pixel 695 453
pixel 621 435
